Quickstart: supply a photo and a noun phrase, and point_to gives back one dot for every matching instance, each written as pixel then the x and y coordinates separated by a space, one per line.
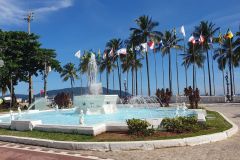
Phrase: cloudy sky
pixel 70 25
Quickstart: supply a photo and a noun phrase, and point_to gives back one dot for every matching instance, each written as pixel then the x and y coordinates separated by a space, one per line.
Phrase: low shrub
pixel 182 124
pixel 139 127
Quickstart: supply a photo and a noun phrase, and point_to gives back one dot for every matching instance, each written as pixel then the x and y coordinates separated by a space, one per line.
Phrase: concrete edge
pixel 129 145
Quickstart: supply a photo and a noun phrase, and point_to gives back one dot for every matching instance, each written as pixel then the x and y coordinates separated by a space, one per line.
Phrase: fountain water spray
pixel 81 118
pixel 11 115
pixel 19 112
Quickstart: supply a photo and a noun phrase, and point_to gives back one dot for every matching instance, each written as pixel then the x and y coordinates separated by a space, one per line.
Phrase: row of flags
pixel 157 45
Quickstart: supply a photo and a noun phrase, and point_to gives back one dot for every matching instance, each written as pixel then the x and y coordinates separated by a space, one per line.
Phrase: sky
pixel 71 25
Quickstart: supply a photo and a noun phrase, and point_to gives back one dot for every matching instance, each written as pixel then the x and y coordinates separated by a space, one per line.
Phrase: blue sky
pixel 70 25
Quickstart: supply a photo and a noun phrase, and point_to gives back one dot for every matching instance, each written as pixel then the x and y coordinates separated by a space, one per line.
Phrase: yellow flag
pixel 229 34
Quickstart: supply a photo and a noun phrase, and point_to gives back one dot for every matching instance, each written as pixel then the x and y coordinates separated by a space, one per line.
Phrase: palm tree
pixel 115 45
pixel 228 54
pixel 143 33
pixel 69 72
pixel 107 65
pixel 193 57
pixel 170 41
pixel 130 63
pixel 207 30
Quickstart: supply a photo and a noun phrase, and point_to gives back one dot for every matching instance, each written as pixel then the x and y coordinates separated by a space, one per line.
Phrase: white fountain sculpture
pixel 11 116
pixel 95 102
pixel 81 118
pixel 19 112
pixel 56 107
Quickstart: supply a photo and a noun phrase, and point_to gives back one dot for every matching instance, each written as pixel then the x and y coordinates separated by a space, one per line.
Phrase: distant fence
pixel 205 99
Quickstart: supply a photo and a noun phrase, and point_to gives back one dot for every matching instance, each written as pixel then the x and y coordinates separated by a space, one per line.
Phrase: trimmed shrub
pixel 63 100
pixel 182 124
pixel 139 127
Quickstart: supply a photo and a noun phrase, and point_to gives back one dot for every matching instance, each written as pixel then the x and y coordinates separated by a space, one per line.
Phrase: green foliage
pixel 193 96
pixel 164 96
pixel 182 124
pixel 139 127
pixel 63 100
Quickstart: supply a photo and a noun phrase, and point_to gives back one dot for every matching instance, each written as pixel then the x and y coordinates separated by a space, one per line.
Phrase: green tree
pixel 193 57
pixel 207 30
pixel 69 72
pixel 144 31
pixel 114 45
pixel 170 41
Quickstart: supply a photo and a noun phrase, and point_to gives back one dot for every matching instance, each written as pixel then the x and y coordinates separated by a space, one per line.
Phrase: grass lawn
pixel 215 123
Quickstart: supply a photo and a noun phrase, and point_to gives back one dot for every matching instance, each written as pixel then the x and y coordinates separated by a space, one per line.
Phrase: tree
pixel 207 30
pixel 193 57
pixel 144 31
pixel 69 72
pixel 107 65
pixel 170 41
pixel 114 45
pixel 227 55
pixel 48 62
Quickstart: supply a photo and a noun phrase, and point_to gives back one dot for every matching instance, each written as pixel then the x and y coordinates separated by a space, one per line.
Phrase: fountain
pixel 19 112
pixel 146 101
pixel 95 102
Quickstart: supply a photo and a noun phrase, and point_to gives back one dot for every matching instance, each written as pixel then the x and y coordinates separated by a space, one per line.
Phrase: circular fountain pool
pixel 70 117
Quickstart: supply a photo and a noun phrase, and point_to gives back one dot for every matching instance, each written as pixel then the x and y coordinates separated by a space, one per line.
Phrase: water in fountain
pixel 146 101
pixel 94 102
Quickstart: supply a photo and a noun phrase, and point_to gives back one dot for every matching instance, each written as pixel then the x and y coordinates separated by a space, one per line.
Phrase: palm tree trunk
pixel 163 73
pixel 214 93
pixel 193 76
pixel 177 72
pixel 204 80
pixel 113 79
pixel 119 79
pixel 148 78
pixel 30 89
pixel 155 65
pixel 136 72
pixel 233 74
pixel 132 82
pixel 169 71
pixel 209 75
pixel 127 80
pixel 107 76
pixel 223 79
pixel 141 80
pixel 45 85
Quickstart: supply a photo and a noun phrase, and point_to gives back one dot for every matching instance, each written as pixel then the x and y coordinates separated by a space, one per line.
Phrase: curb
pixel 125 146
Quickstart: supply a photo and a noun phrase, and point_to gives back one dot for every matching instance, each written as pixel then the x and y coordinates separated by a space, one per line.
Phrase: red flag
pixel 151 44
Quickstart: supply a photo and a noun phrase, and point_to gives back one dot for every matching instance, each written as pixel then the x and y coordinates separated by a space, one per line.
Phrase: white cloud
pixel 13 11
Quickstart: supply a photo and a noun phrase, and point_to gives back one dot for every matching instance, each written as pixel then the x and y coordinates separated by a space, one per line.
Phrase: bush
pixel 63 100
pixel 139 127
pixel 164 96
pixel 193 96
pixel 182 124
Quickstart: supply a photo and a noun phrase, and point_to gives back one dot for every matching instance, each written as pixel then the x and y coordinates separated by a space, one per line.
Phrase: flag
pixel 144 47
pixel 192 39
pixel 229 34
pixel 151 44
pixel 122 51
pixel 41 92
pixel 78 54
pixel 104 54
pixel 111 53
pixel 182 30
pixel 49 69
pixel 201 39
pixel 220 38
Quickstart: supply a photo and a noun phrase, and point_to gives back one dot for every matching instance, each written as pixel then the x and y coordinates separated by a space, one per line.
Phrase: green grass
pixel 218 124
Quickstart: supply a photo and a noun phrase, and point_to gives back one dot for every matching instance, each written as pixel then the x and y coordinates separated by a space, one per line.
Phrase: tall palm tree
pixel 69 72
pixel 130 63
pixel 170 41
pixel 114 45
pixel 193 57
pixel 207 30
pixel 228 55
pixel 144 31
pixel 107 65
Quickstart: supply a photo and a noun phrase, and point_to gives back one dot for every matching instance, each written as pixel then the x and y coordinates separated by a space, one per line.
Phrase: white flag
pixel 78 54
pixel 182 30
pixel 144 47
pixel 122 51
